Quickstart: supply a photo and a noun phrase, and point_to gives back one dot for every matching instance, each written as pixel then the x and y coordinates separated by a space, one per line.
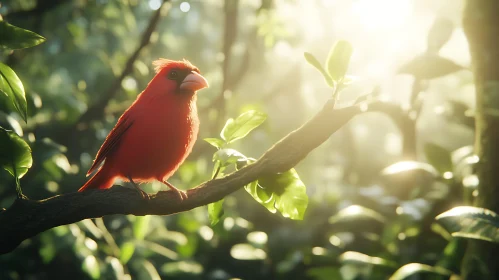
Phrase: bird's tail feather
pixel 103 179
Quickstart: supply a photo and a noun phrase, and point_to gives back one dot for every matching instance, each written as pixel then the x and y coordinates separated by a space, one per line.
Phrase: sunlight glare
pixel 393 143
pixel 378 69
pixel 382 14
pixel 283 49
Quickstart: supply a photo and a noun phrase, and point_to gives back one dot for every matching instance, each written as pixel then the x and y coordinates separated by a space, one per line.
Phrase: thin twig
pixel 99 222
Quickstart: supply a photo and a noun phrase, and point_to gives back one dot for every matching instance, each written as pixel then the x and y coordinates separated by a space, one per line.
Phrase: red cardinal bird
pixel 156 133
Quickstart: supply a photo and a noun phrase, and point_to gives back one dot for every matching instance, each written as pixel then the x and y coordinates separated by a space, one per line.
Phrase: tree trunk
pixel 481 25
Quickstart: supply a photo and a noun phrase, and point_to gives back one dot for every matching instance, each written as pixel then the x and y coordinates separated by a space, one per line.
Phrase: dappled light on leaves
pixel 407 166
pixel 408 270
pixel 471 222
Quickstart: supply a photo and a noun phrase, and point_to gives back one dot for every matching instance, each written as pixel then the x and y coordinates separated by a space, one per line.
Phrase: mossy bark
pixel 481 26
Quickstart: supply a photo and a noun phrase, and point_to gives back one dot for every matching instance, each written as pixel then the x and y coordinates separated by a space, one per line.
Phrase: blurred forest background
pixel 364 220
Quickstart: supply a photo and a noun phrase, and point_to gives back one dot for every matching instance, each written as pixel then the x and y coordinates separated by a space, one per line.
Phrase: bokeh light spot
pixel 335 240
pixel 448 175
pixel 206 233
pixel 91 244
pixel 247 252
pixel 154 4
pixel 401 236
pixel 258 237
pixel 319 251
pixel 185 7
pixel 471 181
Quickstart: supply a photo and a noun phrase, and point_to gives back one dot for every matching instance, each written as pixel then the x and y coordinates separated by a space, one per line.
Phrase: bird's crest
pixel 163 63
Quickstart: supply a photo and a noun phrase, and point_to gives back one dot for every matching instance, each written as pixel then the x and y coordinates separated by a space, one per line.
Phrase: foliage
pixel 284 192
pixel 15 153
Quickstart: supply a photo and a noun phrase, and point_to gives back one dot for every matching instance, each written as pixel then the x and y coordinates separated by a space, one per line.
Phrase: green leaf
pixel 453 254
pixel 140 226
pixel 91 267
pixel 215 211
pixel 439 34
pixel 241 163
pixel 416 268
pixel 429 66
pixel 188 250
pixel 471 222
pixel 356 213
pixel 287 192
pixel 119 271
pixel 439 157
pixel 12 88
pixel 15 153
pixel 217 169
pixel 161 250
pixel 151 271
pixel 462 153
pixel 403 166
pixel 228 156
pixel 324 273
pixel 314 62
pixel 457 112
pixel 47 249
pixel 339 59
pixel 215 142
pixel 13 37
pixel 242 125
pixel 261 196
pixel 359 258
pixel 126 250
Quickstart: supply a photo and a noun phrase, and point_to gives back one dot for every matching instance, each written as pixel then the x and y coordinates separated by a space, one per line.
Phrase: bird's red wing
pixel 112 140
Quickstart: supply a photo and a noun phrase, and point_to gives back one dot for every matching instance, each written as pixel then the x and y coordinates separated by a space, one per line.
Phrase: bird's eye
pixel 173 75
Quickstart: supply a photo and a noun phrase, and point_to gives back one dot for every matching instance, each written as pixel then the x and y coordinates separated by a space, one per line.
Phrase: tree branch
pixel 26 218
pixel 231 14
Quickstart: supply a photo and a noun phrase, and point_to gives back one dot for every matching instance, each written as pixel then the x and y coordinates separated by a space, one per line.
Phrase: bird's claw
pixel 139 190
pixel 181 194
pixel 143 194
